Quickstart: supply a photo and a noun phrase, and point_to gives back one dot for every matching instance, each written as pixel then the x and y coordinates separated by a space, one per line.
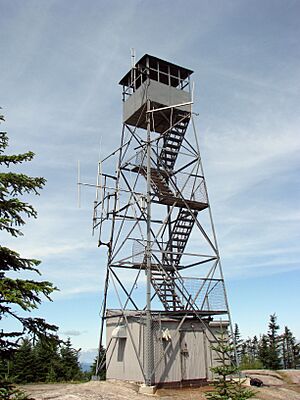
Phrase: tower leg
pixel 148 344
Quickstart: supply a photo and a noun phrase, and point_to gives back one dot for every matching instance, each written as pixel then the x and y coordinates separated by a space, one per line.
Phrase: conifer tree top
pixel 17 294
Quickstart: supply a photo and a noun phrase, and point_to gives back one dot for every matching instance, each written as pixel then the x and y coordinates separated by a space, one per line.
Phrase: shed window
pixel 121 349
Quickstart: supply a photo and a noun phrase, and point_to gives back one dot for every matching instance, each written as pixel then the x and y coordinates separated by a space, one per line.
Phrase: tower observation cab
pixel 163 84
pixel 164 289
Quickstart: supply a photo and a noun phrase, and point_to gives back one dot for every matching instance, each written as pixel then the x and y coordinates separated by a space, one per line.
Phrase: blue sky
pixel 60 65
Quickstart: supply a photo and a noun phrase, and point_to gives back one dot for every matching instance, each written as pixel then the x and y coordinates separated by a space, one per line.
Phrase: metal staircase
pixel 164 286
pixel 162 278
pixel 165 194
pixel 179 237
pixel 159 184
pixel 165 275
pixel 172 143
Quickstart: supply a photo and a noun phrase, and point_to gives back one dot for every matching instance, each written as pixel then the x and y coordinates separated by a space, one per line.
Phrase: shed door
pixel 193 365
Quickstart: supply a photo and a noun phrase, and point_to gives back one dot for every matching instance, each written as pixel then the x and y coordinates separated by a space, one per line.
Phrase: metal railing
pixel 205 293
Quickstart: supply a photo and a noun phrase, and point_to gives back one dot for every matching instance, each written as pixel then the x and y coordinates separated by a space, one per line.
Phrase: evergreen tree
pixel 290 350
pixel 15 293
pixel 254 348
pixel 23 363
pixel 263 350
pixel 238 342
pixel 101 366
pixel 296 355
pixel 94 366
pixel 284 350
pixel 225 387
pixel 47 361
pixel 273 357
pixel 250 354
pixel 4 367
pixel 102 363
pixel 9 392
pixel 69 363
pixel 244 350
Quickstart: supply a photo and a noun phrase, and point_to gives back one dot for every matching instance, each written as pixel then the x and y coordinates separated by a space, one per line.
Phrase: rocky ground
pixel 280 385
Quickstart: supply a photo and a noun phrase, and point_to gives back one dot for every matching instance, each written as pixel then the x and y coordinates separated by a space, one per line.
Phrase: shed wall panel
pixel 188 357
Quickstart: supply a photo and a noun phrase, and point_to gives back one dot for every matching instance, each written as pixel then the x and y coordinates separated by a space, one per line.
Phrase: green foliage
pixel 9 392
pixel 248 362
pixel 101 365
pixel 271 350
pixel 273 355
pixel 290 350
pixel 237 342
pixel 263 350
pixel 225 386
pixel 250 354
pixel 69 363
pixel 45 361
pixel 24 362
pixel 17 294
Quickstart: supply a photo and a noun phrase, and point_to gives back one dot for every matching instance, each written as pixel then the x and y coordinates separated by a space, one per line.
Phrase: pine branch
pixel 10 215
pixel 19 184
pixel 5 225
pixel 11 261
pixel 24 293
pixel 16 158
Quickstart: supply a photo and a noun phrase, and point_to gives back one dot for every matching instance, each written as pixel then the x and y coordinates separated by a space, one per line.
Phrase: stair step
pixel 181 231
pixel 172 300
pixel 180 234
pixel 170 154
pixel 184 220
pixel 169 151
pixel 185 217
pixel 176 132
pixel 172 146
pixel 172 139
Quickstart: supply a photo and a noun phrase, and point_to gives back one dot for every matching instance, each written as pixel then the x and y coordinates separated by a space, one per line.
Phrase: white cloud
pixel 71 333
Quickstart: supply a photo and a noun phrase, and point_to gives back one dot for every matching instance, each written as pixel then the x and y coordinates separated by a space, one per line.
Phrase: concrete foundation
pixel 149 390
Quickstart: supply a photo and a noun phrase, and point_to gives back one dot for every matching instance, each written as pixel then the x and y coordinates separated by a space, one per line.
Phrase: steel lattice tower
pixel 153 214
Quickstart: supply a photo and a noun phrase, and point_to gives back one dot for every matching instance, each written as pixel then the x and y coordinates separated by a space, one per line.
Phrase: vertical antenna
pixel 117 189
pixel 78 185
pixel 192 94
pixel 133 71
pixel 99 185
pixel 102 188
pixel 99 171
pixel 132 57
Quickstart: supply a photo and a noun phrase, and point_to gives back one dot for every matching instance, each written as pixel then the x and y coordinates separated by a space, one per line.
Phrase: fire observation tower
pixel 164 289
